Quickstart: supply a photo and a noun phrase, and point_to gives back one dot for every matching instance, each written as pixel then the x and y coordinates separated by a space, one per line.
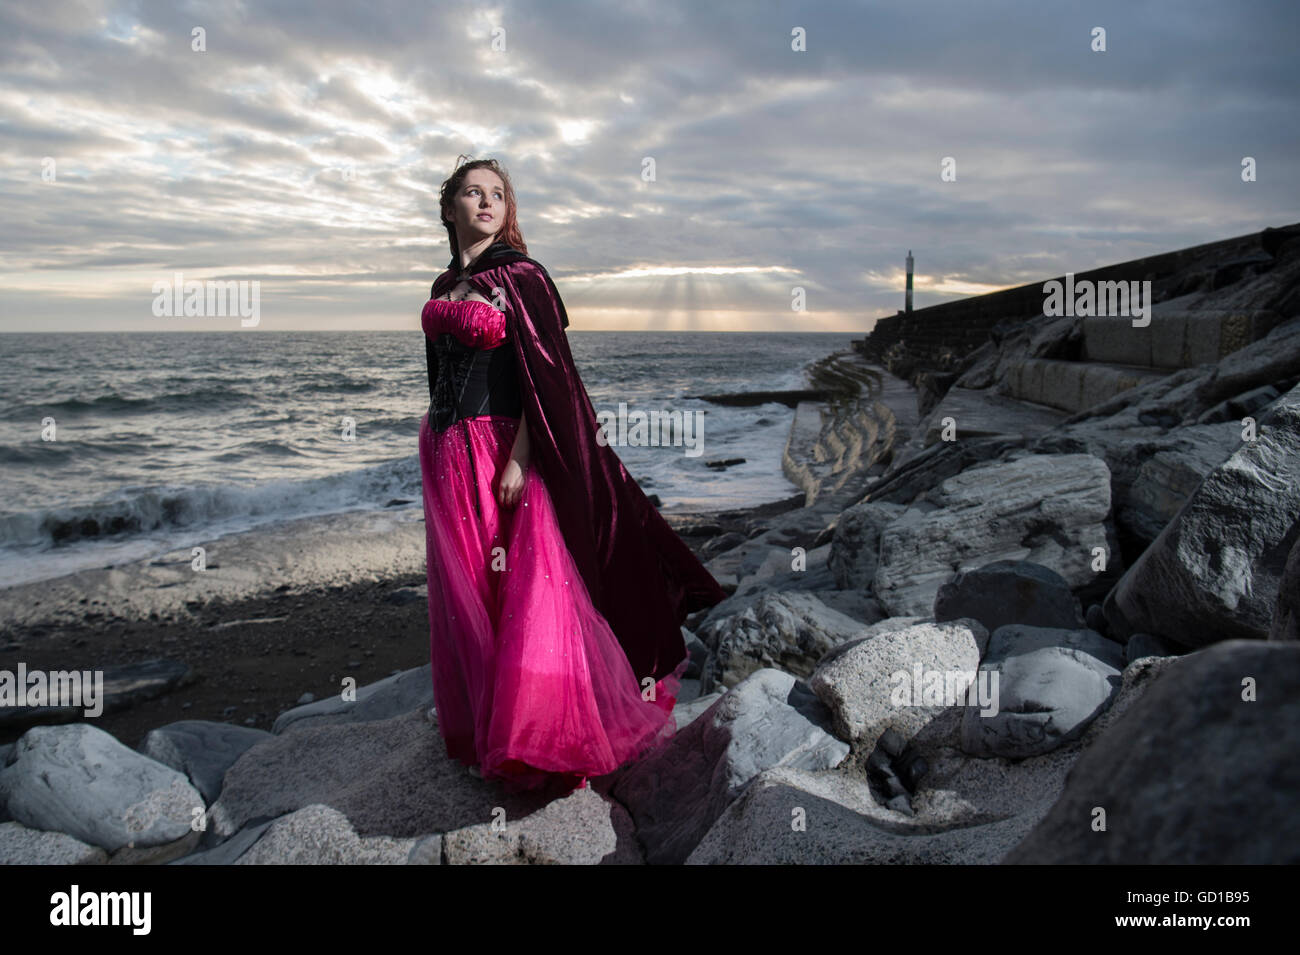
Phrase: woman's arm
pixel 519 451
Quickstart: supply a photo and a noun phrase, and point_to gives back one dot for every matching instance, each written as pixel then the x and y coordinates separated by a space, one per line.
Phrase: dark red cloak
pixel 641 576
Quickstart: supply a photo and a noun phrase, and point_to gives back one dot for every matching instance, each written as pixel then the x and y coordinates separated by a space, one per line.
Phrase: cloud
pixel 307 144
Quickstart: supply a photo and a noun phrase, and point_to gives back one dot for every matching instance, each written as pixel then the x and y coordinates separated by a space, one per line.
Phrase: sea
pixel 117 447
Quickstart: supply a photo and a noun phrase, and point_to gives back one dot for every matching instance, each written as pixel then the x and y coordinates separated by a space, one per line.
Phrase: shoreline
pixel 292 609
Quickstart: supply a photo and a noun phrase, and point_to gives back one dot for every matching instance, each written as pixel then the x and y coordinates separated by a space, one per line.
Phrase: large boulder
pixel 861 682
pixel 388 777
pixel 1286 614
pixel 855 548
pixel 1213 573
pixel 785 631
pixel 1201 770
pixel 675 794
pixel 79 780
pixel 1049 509
pixel 1050 685
pixel 1009 591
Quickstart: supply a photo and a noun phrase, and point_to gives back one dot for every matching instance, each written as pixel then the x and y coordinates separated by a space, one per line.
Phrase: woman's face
pixel 480 206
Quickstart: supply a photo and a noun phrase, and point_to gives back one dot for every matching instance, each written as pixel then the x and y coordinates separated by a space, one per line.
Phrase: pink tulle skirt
pixel 529 681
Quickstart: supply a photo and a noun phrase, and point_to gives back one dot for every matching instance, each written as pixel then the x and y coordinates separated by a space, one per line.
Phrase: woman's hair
pixel 509 232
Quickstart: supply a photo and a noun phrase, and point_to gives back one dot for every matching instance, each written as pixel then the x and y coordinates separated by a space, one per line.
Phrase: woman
pixel 556 590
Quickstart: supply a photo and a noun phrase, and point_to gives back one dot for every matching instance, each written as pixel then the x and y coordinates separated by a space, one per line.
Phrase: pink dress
pixel 529 681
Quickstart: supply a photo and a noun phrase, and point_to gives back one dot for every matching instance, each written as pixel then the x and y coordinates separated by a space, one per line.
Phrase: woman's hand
pixel 511 485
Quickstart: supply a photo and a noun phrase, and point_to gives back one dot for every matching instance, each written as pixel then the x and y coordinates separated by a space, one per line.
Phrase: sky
pixel 300 146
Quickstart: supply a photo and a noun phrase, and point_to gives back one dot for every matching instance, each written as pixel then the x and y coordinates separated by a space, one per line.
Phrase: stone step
pixel 1072 385
pixel 1174 339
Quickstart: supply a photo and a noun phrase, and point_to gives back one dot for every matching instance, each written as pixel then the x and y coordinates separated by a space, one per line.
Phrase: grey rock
pixel 855 548
pixel 20 845
pixel 201 749
pixel 228 852
pixel 1145 645
pixel 1009 591
pixel 80 780
pixel 676 793
pixel 389 777
pixel 1286 612
pixel 381 700
pixel 1051 684
pixel 788 631
pixel 860 682
pixel 1049 509
pixel 319 835
pixel 1213 573
pixel 1191 773
pixel 583 828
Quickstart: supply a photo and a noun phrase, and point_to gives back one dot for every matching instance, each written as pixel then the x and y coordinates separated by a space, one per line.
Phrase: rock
pixel 1191 773
pixel 319 835
pixel 80 780
pixel 201 749
pixel 407 595
pixel 582 828
pixel 157 855
pixel 861 682
pixel 784 631
pixel 759 828
pixel 389 777
pixel 686 713
pixel 1051 684
pixel 1213 573
pixel 229 851
pixel 856 544
pixel 381 700
pixel 677 792
pixel 1009 591
pixel 20 845
pixel 1049 509
pixel 426 851
pixel 1286 612
pixel 1145 645
pixel 123 686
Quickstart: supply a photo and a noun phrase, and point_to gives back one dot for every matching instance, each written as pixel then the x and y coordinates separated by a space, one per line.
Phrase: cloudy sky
pixel 304 145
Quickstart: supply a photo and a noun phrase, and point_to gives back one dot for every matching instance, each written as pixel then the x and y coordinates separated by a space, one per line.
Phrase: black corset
pixel 464 381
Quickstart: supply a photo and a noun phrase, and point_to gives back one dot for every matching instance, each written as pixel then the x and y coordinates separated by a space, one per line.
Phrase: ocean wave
pixel 142 510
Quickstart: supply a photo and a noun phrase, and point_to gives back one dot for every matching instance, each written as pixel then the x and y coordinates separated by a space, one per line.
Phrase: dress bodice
pixel 474 324
pixel 471 371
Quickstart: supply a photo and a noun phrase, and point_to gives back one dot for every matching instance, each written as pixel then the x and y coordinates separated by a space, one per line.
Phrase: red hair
pixel 508 233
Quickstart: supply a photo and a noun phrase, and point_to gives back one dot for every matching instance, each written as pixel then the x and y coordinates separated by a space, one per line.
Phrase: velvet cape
pixel 640 575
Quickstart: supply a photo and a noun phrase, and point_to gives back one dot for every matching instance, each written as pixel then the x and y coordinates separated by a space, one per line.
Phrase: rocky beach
pixel 1037 601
